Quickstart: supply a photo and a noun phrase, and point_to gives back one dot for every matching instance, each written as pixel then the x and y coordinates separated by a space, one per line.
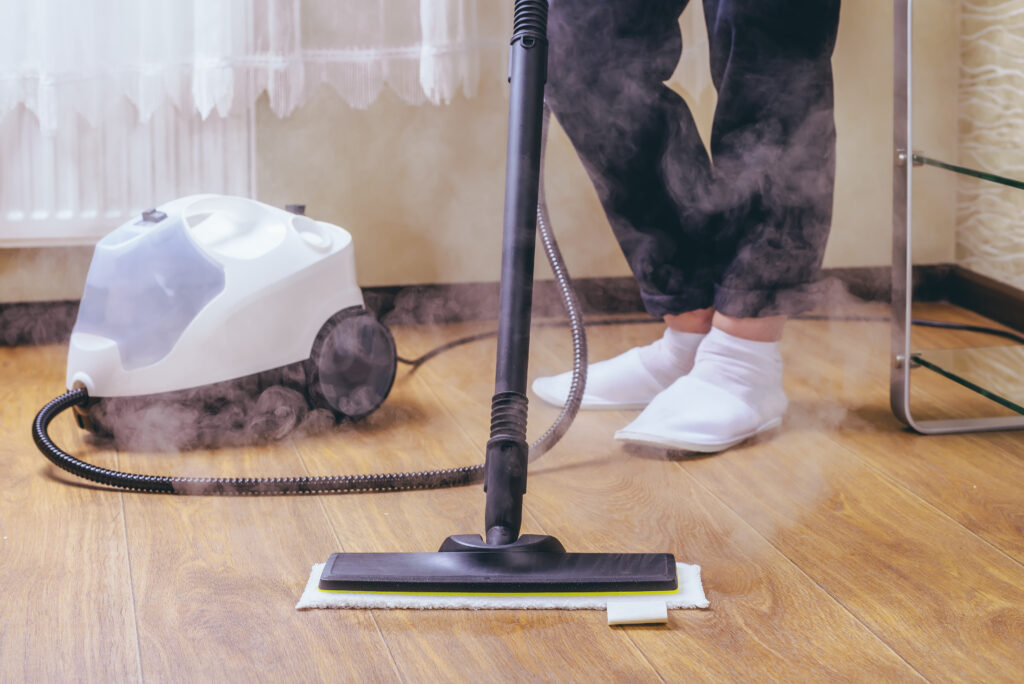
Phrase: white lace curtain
pixel 60 58
pixel 111 106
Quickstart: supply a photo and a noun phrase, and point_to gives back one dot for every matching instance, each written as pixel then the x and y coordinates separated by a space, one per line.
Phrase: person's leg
pixel 697 321
pixel 766 329
pixel 773 145
pixel 608 64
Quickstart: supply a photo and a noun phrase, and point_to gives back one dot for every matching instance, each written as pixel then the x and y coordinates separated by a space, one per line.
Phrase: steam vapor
pixel 256 409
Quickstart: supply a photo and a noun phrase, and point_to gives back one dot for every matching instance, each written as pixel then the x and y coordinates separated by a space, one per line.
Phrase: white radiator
pixel 82 182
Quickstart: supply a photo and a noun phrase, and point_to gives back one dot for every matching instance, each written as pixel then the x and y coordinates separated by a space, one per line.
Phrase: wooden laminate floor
pixel 842 548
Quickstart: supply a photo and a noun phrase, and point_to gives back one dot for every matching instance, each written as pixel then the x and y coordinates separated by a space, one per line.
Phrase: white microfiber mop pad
pixel 622 609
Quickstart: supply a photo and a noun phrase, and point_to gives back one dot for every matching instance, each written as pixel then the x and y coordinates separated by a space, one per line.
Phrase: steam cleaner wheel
pixel 353 363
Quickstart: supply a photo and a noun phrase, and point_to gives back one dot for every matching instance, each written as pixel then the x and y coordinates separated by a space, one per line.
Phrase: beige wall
pixel 936 72
pixel 421 188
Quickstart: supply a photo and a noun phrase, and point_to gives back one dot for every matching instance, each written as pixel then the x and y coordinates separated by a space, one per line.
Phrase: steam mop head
pixel 624 607
pixel 535 571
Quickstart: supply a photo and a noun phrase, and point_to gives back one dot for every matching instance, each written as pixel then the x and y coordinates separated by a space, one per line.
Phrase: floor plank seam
pixel 430 387
pixel 647 660
pixel 391 654
pixel 809 577
pixel 341 549
pixel 900 484
pixel 131 581
pixel 319 497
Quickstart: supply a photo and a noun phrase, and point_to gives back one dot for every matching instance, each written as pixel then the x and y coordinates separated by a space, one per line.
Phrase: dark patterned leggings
pixel 744 229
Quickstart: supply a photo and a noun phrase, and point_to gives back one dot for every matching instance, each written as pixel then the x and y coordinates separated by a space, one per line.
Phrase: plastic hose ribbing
pixel 530 20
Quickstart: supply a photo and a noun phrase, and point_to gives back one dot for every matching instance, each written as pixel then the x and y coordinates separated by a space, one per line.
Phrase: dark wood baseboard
pixel 602 296
pixel 987 296
pixel 51 322
pixel 479 301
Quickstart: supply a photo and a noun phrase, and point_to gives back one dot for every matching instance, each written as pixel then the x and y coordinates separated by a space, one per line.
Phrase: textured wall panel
pixel 990 218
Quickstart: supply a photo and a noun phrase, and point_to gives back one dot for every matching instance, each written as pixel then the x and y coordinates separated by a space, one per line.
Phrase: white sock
pixel 630 380
pixel 733 392
pixel 671 357
pixel 747 369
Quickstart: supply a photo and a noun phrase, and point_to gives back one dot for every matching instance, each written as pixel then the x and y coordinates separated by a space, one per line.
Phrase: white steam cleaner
pixel 194 299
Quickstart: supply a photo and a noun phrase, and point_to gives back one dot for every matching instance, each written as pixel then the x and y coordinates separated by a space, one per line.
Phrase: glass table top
pixel 994 372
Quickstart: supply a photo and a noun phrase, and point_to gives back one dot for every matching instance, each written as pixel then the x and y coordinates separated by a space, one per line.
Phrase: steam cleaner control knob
pixel 153 216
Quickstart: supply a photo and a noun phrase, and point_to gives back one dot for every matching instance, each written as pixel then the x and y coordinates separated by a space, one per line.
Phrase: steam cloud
pixel 36 322
pixel 255 409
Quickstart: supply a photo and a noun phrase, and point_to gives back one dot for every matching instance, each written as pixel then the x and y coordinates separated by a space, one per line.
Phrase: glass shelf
pixel 996 373
pixel 964 171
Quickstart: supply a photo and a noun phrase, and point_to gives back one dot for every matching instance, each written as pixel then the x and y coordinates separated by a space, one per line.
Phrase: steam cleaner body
pixel 219 297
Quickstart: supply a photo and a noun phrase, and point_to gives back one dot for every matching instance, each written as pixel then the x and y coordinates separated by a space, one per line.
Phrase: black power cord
pixel 1019 339
pixel 200 486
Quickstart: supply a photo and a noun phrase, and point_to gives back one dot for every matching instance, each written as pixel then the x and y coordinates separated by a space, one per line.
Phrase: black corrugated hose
pixel 207 486
pixel 382 482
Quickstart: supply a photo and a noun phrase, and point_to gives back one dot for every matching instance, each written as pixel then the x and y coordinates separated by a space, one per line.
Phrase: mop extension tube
pixel 507 452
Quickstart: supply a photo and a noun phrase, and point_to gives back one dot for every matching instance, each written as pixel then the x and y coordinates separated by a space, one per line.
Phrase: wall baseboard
pixel 51 322
pixel 479 301
pixel 603 296
pixel 986 296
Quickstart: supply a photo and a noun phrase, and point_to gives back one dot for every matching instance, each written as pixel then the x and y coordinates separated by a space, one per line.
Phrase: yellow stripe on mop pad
pixel 623 608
